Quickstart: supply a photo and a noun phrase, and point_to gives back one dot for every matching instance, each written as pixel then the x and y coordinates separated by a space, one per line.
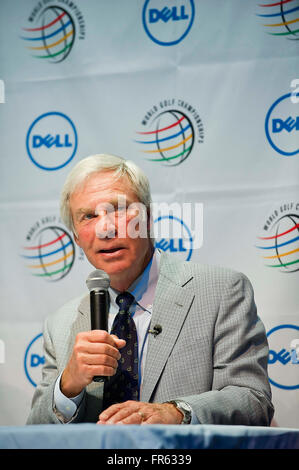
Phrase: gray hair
pixel 95 164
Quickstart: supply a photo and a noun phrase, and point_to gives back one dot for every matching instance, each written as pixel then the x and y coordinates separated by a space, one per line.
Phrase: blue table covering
pixel 93 436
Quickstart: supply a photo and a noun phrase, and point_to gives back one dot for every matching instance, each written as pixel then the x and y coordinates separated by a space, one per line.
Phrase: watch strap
pixel 184 408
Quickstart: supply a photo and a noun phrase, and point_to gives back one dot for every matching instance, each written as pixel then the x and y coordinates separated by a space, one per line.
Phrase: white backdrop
pixel 218 81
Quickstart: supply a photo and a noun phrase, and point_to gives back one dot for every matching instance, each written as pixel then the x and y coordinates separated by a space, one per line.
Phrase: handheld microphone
pixel 98 283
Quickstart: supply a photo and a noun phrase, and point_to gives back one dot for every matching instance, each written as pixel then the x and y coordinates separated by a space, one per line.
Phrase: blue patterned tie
pixel 123 385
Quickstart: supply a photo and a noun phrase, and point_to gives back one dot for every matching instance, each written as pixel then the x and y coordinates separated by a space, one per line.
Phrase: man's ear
pixel 76 239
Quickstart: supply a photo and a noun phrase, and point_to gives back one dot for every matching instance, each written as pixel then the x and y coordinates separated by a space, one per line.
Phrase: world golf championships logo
pixel 172 132
pixel 54 33
pixel 282 125
pixel 49 252
pixel 167 22
pixel 279 243
pixel 281 18
pixel 51 141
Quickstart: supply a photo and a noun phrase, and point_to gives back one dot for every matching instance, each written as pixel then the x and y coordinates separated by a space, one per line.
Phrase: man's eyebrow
pixel 114 202
pixel 83 210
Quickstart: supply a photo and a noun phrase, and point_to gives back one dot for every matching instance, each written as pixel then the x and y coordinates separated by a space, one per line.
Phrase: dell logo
pixel 33 360
pixel 283 356
pixel 36 360
pixel 289 124
pixel 172 245
pixel 168 23
pixel 50 141
pixel 166 14
pixel 283 116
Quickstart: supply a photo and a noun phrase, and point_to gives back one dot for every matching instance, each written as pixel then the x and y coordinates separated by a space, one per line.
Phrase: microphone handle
pixel 99 308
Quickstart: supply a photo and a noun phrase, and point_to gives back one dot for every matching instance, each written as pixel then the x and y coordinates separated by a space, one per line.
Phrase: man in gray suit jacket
pixel 207 359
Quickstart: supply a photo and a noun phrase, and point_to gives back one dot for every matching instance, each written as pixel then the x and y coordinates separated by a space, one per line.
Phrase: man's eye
pixel 89 216
pixel 121 209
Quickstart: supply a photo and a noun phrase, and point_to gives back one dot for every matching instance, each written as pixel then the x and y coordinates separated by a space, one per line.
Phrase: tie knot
pixel 125 300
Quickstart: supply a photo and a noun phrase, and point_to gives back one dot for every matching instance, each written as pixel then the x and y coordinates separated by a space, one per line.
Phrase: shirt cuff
pixel 194 419
pixel 67 407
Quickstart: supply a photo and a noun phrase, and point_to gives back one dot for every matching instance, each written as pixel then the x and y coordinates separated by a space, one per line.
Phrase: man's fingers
pixel 118 407
pixel 152 419
pixel 121 415
pixel 129 412
pixel 100 336
pixel 106 371
pixel 97 342
pixel 109 412
pixel 99 359
pixel 98 348
pixel 120 343
pixel 103 337
pixel 132 412
pixel 136 417
pixel 125 416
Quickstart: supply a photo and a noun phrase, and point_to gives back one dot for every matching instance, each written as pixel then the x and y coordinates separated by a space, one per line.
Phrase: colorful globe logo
pixel 171 139
pixel 54 37
pixel 282 18
pixel 281 249
pixel 52 255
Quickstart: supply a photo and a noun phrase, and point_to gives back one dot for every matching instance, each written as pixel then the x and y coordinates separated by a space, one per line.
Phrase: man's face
pixel 103 216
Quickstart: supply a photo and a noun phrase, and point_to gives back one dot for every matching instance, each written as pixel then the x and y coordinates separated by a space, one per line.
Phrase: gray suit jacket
pixel 212 351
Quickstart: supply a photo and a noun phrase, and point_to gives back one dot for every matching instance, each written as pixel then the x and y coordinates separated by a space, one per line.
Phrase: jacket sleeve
pixel 43 410
pixel 240 392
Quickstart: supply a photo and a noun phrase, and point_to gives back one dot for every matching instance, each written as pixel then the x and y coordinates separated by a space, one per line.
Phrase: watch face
pixel 185 409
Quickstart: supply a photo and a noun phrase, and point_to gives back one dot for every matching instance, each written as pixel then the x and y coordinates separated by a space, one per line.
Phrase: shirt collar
pixel 143 288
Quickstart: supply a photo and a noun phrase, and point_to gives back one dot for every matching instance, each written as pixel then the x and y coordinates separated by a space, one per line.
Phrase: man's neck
pixel 123 282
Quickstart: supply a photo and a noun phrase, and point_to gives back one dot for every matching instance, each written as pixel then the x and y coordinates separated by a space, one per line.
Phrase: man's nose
pixel 106 227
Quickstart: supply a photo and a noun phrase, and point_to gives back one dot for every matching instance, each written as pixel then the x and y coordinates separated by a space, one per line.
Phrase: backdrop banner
pixel 204 97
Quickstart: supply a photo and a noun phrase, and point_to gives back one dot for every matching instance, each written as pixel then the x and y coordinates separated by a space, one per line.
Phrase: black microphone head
pixel 98 280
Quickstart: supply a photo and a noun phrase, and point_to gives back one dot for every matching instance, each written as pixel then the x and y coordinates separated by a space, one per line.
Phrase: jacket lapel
pixel 82 322
pixel 173 299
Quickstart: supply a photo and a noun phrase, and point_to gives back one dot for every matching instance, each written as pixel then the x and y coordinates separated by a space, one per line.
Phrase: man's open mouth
pixel 112 250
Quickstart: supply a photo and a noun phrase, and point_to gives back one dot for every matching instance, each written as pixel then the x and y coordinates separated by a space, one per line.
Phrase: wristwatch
pixel 184 408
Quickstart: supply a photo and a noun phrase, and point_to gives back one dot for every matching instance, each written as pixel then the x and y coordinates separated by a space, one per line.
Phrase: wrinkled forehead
pixel 107 184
